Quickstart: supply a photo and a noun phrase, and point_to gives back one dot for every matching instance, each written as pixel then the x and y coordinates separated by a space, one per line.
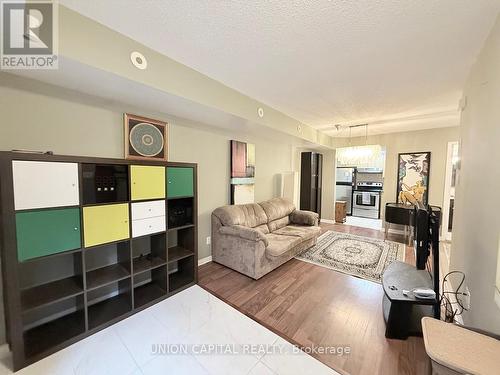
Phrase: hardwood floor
pixel 312 305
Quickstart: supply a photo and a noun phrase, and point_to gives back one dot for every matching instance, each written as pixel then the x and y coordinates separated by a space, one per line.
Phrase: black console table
pixel 403 313
pixel 398 213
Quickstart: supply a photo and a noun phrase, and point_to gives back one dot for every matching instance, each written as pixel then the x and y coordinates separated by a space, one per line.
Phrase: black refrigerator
pixel 310 181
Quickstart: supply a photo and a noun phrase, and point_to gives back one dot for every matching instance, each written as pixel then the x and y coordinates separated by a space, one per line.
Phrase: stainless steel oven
pixel 366 203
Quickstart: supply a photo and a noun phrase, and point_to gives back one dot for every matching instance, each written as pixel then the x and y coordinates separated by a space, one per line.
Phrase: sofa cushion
pixel 277 208
pixel 249 215
pixel 243 233
pixel 304 217
pixel 279 244
pixel 262 228
pixel 302 231
pixel 278 223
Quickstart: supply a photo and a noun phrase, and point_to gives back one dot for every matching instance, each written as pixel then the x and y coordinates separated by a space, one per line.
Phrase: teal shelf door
pixel 46 232
pixel 180 182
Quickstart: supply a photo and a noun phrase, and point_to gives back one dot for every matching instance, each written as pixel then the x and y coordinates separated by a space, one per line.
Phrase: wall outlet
pixel 466 298
pixel 209 240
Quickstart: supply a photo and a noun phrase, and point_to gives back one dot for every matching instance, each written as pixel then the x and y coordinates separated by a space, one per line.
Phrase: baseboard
pixel 205 260
pixel 395 231
pixel 327 221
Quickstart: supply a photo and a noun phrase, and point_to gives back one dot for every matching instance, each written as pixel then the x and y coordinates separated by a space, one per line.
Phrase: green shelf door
pixel 179 182
pixel 46 232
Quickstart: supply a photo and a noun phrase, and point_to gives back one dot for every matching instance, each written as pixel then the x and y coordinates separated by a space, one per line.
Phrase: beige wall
pixel 73 126
pixel 433 140
pixel 48 118
pixel 477 219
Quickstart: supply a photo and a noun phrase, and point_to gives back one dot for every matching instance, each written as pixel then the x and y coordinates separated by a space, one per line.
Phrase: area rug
pixel 358 256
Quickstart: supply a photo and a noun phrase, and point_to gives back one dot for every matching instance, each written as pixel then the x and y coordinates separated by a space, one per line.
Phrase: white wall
pixel 477 215
pixel 433 140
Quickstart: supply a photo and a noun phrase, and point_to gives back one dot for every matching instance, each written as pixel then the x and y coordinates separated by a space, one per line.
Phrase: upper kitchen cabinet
pixel 180 182
pixel 147 182
pixel 45 184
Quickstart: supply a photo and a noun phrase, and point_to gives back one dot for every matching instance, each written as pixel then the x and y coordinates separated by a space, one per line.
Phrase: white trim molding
pixel 327 221
pixel 205 260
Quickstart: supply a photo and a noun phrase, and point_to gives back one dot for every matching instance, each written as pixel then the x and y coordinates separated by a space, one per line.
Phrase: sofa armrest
pixel 244 232
pixel 304 218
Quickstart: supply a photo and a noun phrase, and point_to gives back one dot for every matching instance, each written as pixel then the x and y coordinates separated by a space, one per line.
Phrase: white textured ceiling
pixel 399 65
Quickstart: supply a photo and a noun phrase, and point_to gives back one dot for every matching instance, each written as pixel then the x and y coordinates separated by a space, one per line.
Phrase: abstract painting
pixel 242 172
pixel 413 177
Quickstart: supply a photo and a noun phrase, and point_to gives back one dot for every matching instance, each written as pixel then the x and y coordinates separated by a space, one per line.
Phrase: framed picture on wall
pixel 413 177
pixel 145 138
pixel 242 172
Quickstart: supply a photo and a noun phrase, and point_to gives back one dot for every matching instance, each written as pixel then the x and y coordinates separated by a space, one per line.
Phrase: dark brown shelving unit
pixel 54 300
pixel 148 293
pixel 106 275
pixel 40 339
pixel 178 281
pixel 149 252
pixel 108 310
pixel 54 291
pixel 51 256
pixel 143 264
pixel 181 227
pixel 180 213
pixel 176 253
pixel 109 302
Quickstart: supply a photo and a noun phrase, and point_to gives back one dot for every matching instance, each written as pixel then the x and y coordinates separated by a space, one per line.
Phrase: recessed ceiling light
pixel 260 111
pixel 138 60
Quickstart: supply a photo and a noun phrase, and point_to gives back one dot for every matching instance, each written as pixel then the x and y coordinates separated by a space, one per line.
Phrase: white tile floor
pixel 364 222
pixel 193 318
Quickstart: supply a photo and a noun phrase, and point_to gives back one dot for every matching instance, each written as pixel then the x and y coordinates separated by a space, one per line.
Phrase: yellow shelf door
pixel 103 224
pixel 147 182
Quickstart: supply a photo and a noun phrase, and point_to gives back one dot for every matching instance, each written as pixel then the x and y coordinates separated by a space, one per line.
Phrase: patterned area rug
pixel 362 257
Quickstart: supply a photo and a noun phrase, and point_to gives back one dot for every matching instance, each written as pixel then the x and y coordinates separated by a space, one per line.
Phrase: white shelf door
pixel 148 226
pixel 45 184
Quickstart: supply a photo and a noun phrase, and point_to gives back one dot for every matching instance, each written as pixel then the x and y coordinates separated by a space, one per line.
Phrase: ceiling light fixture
pixel 360 156
pixel 138 60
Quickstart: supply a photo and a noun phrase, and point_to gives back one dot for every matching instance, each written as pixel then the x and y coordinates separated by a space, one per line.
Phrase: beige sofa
pixel 256 238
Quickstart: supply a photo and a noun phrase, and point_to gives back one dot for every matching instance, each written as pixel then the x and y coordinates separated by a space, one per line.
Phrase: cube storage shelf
pixel 87 242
